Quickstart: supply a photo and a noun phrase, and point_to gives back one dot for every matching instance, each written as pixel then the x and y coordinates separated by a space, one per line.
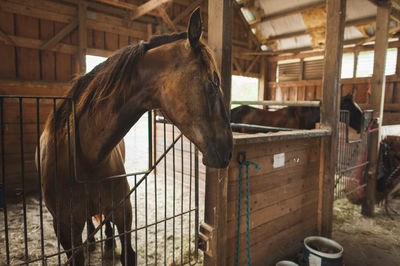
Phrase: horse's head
pixel 356 114
pixel 192 99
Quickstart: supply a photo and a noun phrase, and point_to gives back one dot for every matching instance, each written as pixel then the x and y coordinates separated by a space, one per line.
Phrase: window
pixel 365 66
pixel 347 65
pixel 92 61
pixel 244 89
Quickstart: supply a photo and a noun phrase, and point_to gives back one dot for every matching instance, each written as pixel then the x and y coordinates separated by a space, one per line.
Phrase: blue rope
pixel 247 164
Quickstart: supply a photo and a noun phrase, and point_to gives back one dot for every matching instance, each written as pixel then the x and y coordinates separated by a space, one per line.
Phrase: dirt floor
pixel 367 241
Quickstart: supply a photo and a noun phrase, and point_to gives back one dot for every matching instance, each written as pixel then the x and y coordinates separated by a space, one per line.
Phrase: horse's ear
pixel 194 29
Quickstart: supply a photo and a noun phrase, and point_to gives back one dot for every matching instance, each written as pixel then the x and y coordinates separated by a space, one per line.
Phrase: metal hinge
pixel 206 233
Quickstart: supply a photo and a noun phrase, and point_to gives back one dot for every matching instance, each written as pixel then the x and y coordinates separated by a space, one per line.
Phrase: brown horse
pixel 293 116
pixel 175 73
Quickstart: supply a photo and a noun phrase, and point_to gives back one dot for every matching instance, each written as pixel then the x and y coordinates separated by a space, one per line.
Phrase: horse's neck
pixel 100 132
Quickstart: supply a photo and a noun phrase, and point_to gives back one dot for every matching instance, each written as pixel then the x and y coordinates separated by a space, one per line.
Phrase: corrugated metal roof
pixel 295 23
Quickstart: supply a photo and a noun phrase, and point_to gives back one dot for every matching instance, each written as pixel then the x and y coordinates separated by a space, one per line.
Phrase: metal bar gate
pixel 352 161
pixel 164 196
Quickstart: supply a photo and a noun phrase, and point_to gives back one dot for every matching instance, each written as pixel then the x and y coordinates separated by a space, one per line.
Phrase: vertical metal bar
pixel 165 194
pixel 136 222
pixel 190 201
pixel 173 195
pixel 146 219
pixel 21 142
pixel 112 218
pixel 57 222
pixel 101 219
pixel 70 187
pixel 150 140
pixel 124 233
pixel 196 203
pixel 155 220
pixel 182 178
pixel 3 173
pixel 39 178
pixel 87 222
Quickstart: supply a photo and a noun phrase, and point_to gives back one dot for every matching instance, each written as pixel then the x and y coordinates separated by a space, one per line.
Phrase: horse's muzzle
pixel 217 157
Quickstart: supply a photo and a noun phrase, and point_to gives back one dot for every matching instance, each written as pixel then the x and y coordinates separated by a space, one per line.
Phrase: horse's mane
pixel 107 79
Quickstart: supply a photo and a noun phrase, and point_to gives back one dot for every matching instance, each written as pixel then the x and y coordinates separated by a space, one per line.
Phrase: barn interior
pixel 307 52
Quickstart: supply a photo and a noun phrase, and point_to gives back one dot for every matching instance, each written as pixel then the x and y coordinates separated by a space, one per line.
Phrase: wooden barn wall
pixel 311 90
pixel 283 201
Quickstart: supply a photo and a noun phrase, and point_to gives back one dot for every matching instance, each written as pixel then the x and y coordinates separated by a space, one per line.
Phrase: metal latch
pixel 206 233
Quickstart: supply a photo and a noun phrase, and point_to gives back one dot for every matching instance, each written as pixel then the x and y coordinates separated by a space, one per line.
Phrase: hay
pixel 347 218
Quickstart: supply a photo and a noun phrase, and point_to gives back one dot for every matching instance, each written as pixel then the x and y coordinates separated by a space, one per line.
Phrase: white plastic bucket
pixel 286 263
pixel 322 251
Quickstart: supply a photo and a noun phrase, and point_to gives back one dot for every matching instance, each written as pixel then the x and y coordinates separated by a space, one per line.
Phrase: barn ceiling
pixel 300 24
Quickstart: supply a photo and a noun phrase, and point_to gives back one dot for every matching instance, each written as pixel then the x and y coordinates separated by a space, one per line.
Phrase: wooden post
pixel 378 95
pixel 301 72
pixel 263 80
pixel 330 108
pixel 82 29
pixel 220 23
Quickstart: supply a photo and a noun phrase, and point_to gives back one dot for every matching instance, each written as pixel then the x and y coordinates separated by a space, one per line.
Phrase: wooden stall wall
pixel 283 201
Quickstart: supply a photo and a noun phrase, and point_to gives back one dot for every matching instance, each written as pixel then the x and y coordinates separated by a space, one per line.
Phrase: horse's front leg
pixel 128 256
pixel 65 239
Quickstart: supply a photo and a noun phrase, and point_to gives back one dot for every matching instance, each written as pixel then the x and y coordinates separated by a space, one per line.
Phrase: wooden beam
pixel 253 37
pixel 253 63
pixel 274 57
pixel 288 12
pixel 237 66
pixel 220 27
pixel 50 43
pixel 166 18
pixel 263 79
pixel 187 11
pixel 377 96
pixel 66 13
pixel 6 39
pixel 119 4
pixel 82 32
pixel 330 108
pixel 146 7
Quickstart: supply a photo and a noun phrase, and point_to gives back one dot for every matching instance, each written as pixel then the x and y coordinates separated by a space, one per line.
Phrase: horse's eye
pixel 216 80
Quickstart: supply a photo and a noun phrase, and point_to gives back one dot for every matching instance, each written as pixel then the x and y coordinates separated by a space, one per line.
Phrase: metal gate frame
pixel 353 155
pixel 138 177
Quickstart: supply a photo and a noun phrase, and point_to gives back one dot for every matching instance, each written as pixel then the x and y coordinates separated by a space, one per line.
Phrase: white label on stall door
pixel 279 160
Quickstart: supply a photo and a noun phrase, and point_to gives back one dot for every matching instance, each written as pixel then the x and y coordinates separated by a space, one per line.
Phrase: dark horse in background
pixel 174 73
pixel 294 116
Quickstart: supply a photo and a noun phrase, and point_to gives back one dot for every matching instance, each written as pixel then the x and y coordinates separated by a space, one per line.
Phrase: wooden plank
pixel 265 231
pixel 275 211
pixel 396 93
pixel 35 44
pixel 220 23
pixel 268 252
pixel 50 43
pixel 7 52
pixel 391 118
pixel 31 88
pixel 377 96
pixel 63 61
pixel 123 41
pixel 28 66
pixel 301 180
pixel 166 18
pixel 336 11
pixel 388 92
pixel 98 39
pixel 83 44
pixel 47 58
pixel 146 7
pixel 187 11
